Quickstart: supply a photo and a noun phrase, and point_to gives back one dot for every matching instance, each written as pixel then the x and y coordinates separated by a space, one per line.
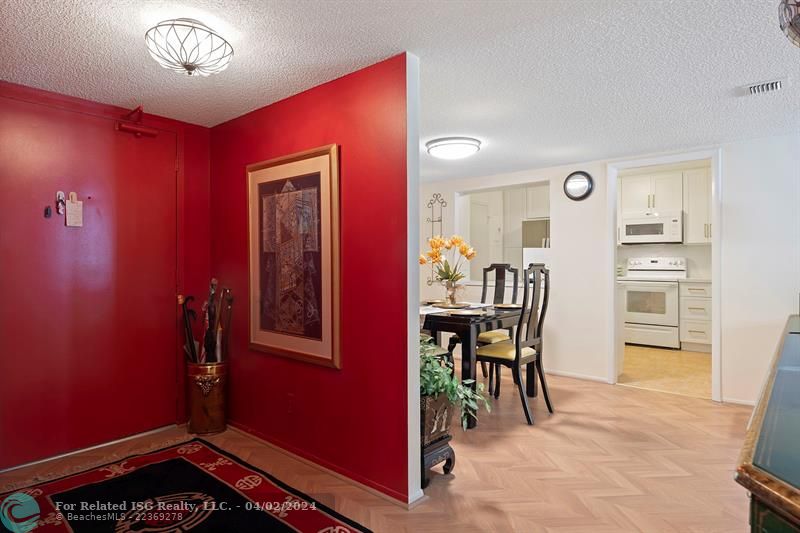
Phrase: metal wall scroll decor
pixel 436 204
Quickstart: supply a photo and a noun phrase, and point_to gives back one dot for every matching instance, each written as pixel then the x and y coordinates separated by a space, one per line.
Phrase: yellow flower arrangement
pixel 459 250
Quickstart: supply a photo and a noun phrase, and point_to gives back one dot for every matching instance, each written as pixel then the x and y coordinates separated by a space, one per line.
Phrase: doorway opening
pixel 509 224
pixel 665 275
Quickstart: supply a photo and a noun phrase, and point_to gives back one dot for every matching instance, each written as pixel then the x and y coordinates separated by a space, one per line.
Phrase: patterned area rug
pixel 193 486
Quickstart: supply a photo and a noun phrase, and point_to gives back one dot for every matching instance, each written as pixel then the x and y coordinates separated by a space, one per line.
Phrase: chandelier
pixel 789 16
pixel 188 46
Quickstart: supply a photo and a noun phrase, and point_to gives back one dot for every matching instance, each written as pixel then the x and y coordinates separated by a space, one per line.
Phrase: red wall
pixel 88 321
pixel 352 420
pixel 194 235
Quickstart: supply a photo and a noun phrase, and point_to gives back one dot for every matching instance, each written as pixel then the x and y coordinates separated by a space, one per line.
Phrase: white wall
pixel 760 248
pixel 575 329
pixel 578 314
pixel 760 256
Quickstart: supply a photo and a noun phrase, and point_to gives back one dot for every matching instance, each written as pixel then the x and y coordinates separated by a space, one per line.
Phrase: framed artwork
pixel 294 256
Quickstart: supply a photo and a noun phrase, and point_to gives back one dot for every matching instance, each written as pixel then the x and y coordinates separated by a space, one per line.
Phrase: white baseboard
pixel 416 498
pixel 737 401
pixel 576 375
pixel 696 347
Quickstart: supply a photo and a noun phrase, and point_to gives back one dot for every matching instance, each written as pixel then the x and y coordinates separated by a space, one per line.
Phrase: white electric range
pixel 650 297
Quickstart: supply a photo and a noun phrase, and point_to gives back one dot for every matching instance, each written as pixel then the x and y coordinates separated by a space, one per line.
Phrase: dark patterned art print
pixel 290 257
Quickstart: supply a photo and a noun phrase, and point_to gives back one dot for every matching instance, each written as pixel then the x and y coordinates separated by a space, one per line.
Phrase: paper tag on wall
pixel 74 211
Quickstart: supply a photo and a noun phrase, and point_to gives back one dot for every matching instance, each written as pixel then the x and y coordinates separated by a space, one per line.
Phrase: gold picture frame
pixel 293 238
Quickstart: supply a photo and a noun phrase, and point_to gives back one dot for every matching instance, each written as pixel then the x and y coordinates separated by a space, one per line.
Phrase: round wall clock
pixel 578 185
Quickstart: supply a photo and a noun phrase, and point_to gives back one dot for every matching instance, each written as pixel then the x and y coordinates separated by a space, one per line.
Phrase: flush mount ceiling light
pixel 789 17
pixel 188 46
pixel 453 147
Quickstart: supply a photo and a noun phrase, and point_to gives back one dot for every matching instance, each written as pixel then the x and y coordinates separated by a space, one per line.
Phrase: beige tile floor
pixel 675 371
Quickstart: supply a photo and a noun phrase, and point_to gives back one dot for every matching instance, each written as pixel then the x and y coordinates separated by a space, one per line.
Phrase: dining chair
pixel 527 345
pixel 498 296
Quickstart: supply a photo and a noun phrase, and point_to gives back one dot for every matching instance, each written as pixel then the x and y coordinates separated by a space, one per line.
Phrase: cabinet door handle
pixel 648 201
pixel 654 200
pixel 695 289
pixel 697 309
pixel 705 230
pixel 697 331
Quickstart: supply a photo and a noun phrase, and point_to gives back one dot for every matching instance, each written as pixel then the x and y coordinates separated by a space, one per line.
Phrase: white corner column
pixel 412 197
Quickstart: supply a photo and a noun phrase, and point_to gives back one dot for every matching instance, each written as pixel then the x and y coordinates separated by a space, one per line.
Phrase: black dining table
pixel 468 327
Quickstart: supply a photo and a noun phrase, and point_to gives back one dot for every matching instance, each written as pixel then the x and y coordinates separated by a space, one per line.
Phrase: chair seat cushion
pixel 503 350
pixel 491 337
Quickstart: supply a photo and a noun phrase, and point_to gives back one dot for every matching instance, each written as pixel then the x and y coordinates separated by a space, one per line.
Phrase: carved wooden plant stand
pixel 435 415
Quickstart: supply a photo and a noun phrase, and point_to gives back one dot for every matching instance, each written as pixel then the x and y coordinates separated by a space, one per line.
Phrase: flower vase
pixel 451 288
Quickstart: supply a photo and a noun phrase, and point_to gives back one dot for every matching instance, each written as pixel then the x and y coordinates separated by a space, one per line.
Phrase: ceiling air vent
pixel 764 87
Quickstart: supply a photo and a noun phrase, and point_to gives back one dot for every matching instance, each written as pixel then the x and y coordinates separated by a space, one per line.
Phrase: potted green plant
pixel 437 381
pixel 440 392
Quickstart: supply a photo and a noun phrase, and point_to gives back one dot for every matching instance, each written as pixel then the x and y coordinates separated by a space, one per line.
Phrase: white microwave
pixel 651 227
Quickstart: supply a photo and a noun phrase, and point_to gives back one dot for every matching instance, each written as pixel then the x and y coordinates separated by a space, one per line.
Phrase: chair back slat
pixel 500 275
pixel 545 301
pixel 535 299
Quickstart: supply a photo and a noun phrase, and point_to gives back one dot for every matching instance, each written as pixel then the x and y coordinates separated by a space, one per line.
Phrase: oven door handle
pixel 665 286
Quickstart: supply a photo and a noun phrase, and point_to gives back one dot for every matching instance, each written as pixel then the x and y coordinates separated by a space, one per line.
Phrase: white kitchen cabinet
pixel 513 214
pixel 486 229
pixel 635 193
pixel 662 191
pixel 695 289
pixel 696 308
pixel 695 315
pixel 667 191
pixel 697 206
pixel 695 331
pixel 537 201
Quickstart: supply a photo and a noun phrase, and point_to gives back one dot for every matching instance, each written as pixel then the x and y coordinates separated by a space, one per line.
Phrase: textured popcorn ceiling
pixel 541 82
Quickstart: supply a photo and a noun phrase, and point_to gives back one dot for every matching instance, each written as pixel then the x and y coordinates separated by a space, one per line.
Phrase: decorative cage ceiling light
pixel 789 17
pixel 188 46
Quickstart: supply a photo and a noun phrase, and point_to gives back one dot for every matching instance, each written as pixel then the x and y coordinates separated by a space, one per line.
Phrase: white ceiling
pixel 541 82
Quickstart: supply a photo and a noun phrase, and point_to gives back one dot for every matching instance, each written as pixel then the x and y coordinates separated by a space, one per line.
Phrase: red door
pixel 87 315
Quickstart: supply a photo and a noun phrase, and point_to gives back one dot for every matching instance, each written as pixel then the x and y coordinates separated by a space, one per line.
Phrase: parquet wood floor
pixel 611 459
